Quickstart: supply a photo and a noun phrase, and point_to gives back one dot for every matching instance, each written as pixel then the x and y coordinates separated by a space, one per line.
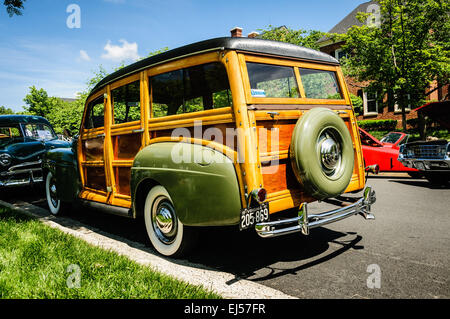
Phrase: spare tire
pixel 322 153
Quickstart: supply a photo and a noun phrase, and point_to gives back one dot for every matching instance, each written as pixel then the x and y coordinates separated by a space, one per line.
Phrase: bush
pixel 378 125
pixel 357 103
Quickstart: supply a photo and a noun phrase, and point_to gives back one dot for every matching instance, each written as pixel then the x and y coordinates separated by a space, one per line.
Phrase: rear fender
pixel 204 192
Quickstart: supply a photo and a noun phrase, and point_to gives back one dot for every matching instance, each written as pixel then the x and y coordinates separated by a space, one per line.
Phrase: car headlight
pixel 409 152
pixel 5 159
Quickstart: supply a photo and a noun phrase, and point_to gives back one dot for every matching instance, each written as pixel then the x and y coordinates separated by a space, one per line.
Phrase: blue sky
pixel 38 48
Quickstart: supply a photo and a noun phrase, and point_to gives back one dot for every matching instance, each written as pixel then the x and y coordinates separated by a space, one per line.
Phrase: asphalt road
pixel 403 253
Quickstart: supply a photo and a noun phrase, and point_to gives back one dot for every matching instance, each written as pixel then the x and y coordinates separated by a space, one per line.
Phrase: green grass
pixel 35 260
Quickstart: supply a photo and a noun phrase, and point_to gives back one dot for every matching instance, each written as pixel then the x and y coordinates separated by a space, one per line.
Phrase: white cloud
pixel 128 51
pixel 84 56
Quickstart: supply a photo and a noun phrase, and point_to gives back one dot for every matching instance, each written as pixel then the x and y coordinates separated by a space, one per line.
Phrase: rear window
pixel 9 134
pixel 319 84
pixel 268 80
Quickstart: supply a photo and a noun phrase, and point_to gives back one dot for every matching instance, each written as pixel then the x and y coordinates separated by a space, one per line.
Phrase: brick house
pixel 372 109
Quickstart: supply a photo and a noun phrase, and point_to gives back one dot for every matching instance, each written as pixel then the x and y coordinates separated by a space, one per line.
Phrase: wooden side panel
pixel 123 178
pixel 93 149
pixel 126 146
pixel 95 177
pixel 221 133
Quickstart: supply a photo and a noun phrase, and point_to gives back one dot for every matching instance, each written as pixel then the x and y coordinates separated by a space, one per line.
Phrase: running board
pixel 109 209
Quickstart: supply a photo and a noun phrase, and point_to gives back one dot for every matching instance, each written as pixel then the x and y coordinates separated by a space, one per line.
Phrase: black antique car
pixel 23 140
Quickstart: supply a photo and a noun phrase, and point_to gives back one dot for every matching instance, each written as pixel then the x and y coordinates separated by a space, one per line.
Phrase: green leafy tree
pixel 14 7
pixel 5 110
pixel 67 115
pixel 306 38
pixel 404 54
pixel 39 103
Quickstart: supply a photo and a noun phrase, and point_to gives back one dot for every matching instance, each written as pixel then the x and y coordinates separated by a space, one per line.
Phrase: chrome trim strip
pixel 305 222
pixel 25 164
pixel 21 182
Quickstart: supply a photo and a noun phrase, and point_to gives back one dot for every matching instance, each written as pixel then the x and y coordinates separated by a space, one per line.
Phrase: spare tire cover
pixel 322 153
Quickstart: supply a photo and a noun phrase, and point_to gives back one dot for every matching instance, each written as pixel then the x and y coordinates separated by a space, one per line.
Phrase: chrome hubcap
pixel 164 220
pixel 330 151
pixel 52 189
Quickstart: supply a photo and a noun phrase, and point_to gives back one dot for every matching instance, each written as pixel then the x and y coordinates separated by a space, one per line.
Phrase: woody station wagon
pixel 227 131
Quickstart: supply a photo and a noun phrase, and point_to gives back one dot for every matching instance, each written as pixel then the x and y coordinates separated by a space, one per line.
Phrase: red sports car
pixel 384 152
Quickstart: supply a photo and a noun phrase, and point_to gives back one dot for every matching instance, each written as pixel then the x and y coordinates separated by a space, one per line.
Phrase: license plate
pixel 419 165
pixel 252 216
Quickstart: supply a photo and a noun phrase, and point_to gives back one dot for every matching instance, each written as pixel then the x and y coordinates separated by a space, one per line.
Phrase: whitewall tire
pixel 166 232
pixel 54 204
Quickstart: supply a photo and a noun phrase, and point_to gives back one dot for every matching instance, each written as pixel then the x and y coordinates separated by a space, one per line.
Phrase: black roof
pixel 14 119
pixel 241 44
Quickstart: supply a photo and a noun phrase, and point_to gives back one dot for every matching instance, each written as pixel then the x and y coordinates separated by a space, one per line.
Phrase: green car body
pixel 206 193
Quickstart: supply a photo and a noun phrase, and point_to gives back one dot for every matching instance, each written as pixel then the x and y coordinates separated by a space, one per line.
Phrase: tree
pixel 5 110
pixel 404 54
pixel 39 103
pixel 61 114
pixel 306 38
pixel 14 7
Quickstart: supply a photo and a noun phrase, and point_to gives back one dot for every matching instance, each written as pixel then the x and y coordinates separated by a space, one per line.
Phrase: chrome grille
pixel 427 151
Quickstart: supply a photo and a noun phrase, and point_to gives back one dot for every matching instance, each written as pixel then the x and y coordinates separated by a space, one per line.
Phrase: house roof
pixel 239 43
pixel 349 21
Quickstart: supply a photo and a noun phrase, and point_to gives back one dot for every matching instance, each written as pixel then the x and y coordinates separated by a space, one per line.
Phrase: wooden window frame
pixel 295 64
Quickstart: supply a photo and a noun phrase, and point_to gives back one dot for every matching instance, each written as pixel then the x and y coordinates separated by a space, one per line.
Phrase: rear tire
pixel 166 232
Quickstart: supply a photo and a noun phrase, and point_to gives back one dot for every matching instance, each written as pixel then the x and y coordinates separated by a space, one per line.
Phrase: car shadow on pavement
pixel 243 254
pixel 248 256
pixel 421 183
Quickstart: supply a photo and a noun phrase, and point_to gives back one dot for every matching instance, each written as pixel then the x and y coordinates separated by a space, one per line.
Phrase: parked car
pixel 430 157
pixel 384 152
pixel 23 140
pixel 227 131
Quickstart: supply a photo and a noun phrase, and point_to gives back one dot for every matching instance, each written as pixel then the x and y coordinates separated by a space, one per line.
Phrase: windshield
pixel 391 138
pixel 39 131
pixel 9 134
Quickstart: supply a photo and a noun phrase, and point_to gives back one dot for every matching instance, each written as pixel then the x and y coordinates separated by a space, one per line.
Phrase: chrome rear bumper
pixel 304 222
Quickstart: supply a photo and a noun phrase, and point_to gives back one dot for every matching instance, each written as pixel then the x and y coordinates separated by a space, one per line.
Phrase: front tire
pixel 55 205
pixel 166 232
pixel 438 178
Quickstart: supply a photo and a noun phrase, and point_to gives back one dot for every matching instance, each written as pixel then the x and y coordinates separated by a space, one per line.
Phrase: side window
pixel 319 84
pixel 126 103
pixel 268 80
pixel 95 116
pixel 193 89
